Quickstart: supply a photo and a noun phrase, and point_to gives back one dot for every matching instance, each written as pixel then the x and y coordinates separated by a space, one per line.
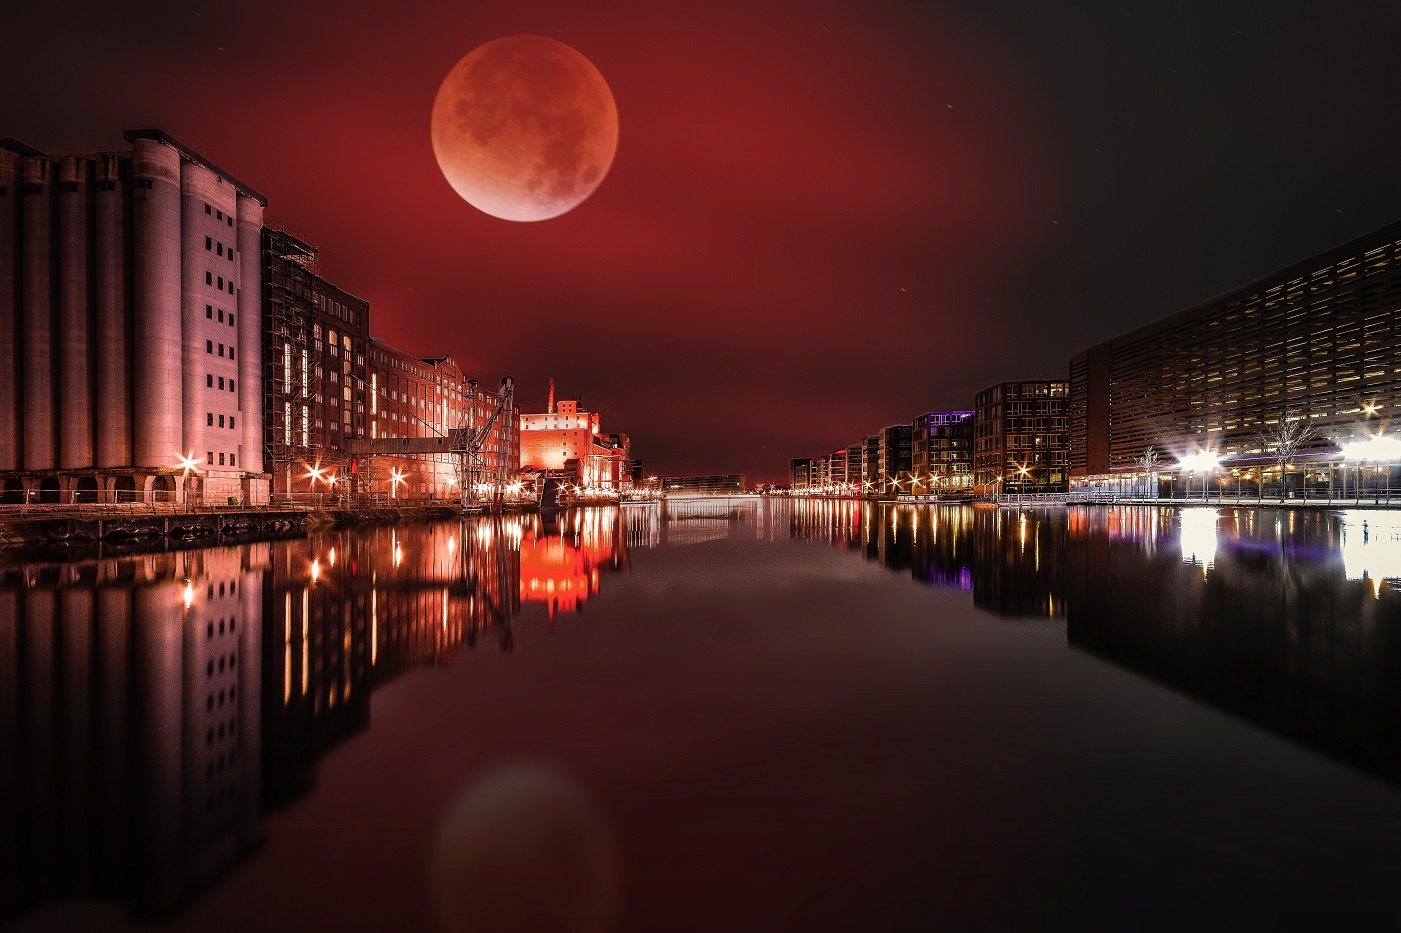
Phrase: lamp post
pixel 189 464
pixel 1377 448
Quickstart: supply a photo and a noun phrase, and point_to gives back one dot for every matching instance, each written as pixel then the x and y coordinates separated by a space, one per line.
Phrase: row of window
pixel 210 279
pixel 209 348
pixel 209 311
pixel 219 215
pixel 217 248
pixel 209 382
pixel 209 419
pixel 209 458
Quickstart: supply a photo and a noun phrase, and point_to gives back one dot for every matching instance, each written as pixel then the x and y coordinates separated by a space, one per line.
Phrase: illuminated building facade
pixel 315 344
pixel 1021 437
pixel 717 483
pixel 566 439
pixel 130 326
pixel 837 468
pixel 896 458
pixel 427 397
pixel 941 444
pixel 800 472
pixel 1318 341
pixel 870 462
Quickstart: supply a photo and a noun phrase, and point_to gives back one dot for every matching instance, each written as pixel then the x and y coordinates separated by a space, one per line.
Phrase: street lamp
pixel 1205 462
pixel 189 464
pixel 395 478
pixel 1378 448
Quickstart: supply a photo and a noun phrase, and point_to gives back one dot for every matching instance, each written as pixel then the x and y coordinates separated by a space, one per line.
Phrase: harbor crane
pixel 465 443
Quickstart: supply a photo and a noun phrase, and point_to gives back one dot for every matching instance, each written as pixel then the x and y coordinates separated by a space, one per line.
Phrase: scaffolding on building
pixel 291 379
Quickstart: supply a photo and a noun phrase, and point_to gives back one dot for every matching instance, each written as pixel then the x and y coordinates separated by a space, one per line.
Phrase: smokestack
pixel 550 408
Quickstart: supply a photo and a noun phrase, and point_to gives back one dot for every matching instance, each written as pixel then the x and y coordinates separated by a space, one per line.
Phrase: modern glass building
pixel 1317 344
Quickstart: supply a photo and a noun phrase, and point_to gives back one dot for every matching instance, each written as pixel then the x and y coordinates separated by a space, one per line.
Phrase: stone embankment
pixel 124 524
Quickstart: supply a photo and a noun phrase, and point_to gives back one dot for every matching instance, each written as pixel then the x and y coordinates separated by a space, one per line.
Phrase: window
pixel 218 215
pixel 231 351
pixel 209 457
pixel 230 286
pixel 209 312
pixel 231 421
pixel 209 418
pixel 231 385
pixel 221 348
pixel 221 281
pixel 221 458
pixel 221 421
pixel 231 323
pixel 231 463
pixel 208 242
pixel 209 346
pixel 207 209
pixel 221 382
pixel 209 278
pixel 221 315
pixel 209 380
pixel 218 248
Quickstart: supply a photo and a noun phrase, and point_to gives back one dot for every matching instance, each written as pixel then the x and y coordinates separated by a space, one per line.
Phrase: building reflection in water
pixel 1290 618
pixel 154 706
pixel 561 559
pixel 129 725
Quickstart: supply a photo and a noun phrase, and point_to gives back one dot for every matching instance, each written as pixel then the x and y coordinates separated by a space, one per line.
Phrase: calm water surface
pixel 802 716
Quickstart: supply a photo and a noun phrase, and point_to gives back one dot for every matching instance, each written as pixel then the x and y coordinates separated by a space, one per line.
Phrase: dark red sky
pixel 823 218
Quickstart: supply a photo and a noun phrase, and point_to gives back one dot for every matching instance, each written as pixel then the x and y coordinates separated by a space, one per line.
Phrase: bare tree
pixel 1148 463
pixel 1284 441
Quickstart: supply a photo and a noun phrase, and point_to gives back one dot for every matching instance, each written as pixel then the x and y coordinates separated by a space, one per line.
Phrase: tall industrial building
pixel 130 327
pixel 1319 341
pixel 1021 437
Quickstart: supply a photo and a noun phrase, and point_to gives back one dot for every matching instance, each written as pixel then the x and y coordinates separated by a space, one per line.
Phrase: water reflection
pixel 561 562
pixel 1289 618
pixel 155 705
pixel 154 708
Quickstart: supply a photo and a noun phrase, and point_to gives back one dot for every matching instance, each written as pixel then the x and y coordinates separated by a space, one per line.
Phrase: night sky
pixel 822 219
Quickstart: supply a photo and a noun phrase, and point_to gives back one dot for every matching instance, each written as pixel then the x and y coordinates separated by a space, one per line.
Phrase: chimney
pixel 550 408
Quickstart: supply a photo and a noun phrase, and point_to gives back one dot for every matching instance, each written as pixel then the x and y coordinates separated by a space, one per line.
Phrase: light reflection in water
pixel 246 667
pixel 1198 537
pixel 1371 546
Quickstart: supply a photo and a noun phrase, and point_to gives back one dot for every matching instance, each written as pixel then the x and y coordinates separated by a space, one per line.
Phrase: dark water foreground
pixel 813 716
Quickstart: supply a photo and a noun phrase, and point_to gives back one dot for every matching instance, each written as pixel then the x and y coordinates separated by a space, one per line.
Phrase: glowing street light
pixel 395 478
pixel 1377 448
pixel 1205 462
pixel 189 465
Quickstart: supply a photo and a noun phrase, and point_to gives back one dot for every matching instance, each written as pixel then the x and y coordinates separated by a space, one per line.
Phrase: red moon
pixel 524 128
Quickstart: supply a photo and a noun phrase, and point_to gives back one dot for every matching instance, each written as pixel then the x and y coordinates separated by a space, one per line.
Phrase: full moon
pixel 524 128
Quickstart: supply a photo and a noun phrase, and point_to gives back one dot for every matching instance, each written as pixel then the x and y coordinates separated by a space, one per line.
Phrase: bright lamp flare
pixel 1201 462
pixel 1377 448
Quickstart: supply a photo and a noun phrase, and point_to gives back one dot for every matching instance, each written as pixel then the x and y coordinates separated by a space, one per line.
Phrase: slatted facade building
pixel 1319 340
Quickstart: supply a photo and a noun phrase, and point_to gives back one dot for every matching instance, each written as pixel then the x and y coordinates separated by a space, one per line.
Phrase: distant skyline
pixel 821 219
